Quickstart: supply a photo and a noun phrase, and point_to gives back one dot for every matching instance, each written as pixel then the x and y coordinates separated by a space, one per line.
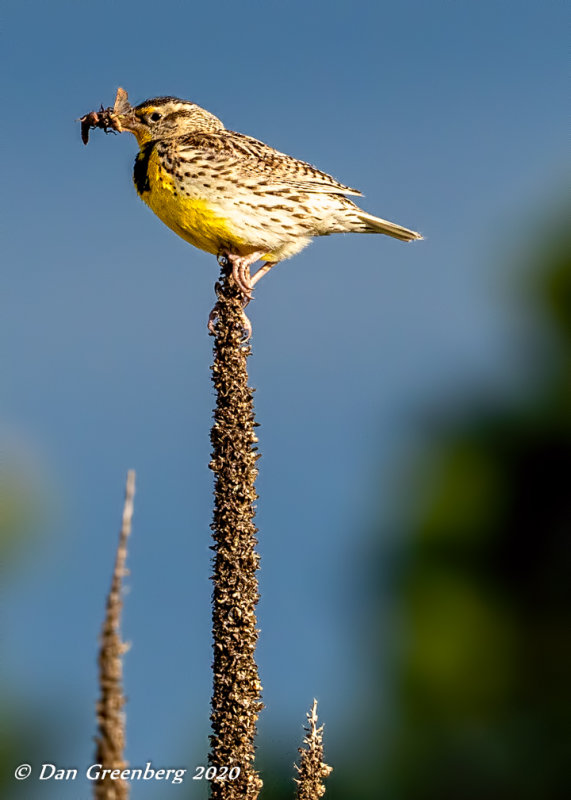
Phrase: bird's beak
pixel 127 122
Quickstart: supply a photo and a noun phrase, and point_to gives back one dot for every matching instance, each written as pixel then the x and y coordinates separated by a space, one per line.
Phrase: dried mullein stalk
pixel 236 698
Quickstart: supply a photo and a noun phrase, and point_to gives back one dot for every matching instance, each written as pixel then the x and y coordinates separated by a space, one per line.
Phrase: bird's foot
pixel 243 279
pixel 240 272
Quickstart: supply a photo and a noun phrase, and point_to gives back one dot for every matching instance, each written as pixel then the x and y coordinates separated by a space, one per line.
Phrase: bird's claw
pixel 212 317
pixel 241 275
pixel 247 327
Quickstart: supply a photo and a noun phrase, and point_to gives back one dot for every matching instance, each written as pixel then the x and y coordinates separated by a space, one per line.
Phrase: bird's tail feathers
pixel 377 225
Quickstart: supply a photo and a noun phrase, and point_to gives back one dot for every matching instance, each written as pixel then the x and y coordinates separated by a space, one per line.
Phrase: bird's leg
pixel 265 268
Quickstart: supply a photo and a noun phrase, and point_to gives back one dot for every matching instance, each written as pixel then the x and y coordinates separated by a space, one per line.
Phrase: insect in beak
pixel 116 118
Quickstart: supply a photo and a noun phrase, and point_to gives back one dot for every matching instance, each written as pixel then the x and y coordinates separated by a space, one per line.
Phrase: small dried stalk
pixel 110 740
pixel 312 769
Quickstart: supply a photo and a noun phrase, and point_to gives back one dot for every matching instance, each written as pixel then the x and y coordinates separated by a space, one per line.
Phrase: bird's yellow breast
pixel 196 219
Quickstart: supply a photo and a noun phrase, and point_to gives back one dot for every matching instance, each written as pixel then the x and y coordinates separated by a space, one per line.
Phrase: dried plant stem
pixel 110 740
pixel 312 769
pixel 236 701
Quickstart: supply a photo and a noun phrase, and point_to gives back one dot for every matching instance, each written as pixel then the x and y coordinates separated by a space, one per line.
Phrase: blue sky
pixel 449 117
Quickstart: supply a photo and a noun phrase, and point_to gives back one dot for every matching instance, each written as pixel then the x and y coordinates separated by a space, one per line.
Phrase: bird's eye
pixel 155 116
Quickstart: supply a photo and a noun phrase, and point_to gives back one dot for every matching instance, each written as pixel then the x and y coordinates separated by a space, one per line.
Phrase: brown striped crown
pixel 167 117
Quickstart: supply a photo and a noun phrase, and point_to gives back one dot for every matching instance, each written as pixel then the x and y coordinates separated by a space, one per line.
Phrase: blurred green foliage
pixel 479 569
pixel 482 656
pixel 26 508
pixel 25 503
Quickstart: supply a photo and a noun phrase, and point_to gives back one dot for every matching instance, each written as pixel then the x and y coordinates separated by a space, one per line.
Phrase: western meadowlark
pixel 230 194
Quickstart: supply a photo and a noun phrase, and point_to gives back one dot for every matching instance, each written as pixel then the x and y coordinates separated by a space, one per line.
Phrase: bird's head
pixel 162 118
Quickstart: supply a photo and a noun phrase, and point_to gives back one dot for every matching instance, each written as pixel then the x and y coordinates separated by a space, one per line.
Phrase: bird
pixel 232 195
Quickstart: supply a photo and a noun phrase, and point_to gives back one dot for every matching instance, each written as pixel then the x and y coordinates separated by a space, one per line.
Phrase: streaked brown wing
pixel 251 158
